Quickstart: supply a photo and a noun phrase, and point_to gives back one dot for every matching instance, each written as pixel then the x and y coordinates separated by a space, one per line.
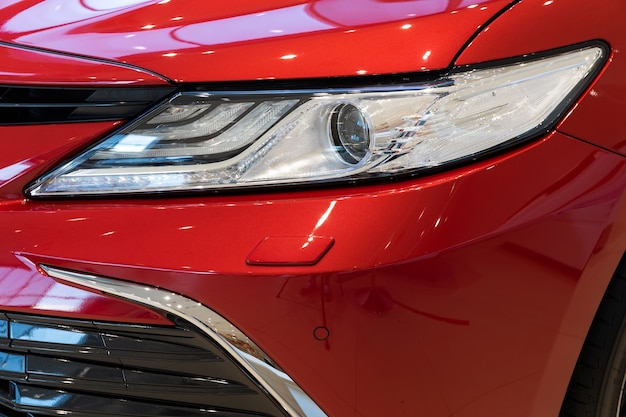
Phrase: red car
pixel 312 208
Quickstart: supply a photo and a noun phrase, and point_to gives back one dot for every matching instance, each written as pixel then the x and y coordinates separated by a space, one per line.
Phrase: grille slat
pixel 96 368
pixel 46 402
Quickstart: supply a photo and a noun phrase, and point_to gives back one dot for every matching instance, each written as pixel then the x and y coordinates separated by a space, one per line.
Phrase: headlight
pixel 211 140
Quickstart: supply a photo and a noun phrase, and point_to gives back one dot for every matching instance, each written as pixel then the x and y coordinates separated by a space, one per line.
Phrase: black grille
pixel 31 105
pixel 52 366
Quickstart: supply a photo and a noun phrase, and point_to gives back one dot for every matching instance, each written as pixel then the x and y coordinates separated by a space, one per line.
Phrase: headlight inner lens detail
pixel 209 141
pixel 350 133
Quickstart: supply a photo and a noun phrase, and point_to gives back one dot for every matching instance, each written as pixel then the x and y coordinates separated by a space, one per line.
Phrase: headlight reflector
pixel 207 141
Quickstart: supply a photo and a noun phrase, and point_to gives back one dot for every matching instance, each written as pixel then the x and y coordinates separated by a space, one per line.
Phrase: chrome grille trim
pixel 279 385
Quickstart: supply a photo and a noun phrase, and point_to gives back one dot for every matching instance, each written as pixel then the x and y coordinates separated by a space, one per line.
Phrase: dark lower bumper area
pixel 51 366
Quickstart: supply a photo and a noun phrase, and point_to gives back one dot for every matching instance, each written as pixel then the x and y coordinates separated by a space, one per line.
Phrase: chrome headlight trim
pixel 260 367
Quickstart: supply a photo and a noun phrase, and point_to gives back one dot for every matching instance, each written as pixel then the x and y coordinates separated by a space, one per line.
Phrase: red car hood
pixel 203 40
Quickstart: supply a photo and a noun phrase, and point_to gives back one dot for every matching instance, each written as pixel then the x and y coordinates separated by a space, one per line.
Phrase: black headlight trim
pixel 27 105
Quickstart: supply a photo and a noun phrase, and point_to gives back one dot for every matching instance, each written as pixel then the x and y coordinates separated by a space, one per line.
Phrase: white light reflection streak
pixel 324 217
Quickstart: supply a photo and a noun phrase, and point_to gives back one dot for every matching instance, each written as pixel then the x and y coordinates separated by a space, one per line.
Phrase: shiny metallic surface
pixel 280 386
pixel 456 293
pixel 269 40
pixel 51 363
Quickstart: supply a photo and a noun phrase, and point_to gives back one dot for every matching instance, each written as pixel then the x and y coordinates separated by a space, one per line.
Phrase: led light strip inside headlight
pixel 208 141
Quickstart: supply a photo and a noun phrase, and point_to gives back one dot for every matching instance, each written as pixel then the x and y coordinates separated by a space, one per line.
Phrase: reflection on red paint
pixel 26 289
pixel 307 30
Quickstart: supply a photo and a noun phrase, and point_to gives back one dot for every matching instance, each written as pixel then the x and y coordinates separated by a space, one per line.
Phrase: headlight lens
pixel 208 141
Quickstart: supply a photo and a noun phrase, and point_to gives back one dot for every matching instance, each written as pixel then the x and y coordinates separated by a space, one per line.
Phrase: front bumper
pixel 460 292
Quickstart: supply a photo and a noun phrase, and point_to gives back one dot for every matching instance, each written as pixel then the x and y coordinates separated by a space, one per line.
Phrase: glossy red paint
pixel 290 250
pixel 25 289
pixel 420 213
pixel 508 278
pixel 599 116
pixel 268 40
pixel 468 292
pixel 32 67
pixel 35 149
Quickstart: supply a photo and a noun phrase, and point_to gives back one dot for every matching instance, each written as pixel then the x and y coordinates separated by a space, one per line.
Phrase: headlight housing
pixel 229 140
